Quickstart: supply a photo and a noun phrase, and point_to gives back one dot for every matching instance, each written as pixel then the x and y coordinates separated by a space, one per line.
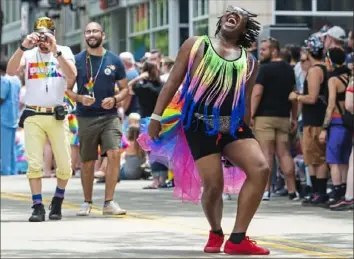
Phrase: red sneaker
pixel 246 247
pixel 214 243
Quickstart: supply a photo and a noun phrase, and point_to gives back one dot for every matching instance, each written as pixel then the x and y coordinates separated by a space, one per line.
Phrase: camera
pixel 42 37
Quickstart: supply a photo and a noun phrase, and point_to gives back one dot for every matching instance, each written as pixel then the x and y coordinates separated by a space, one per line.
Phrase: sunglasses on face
pixel 235 9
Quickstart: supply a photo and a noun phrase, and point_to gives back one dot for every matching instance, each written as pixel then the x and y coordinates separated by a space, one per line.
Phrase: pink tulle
pixel 175 153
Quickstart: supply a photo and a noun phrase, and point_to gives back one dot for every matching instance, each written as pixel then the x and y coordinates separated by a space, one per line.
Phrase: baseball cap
pixel 44 24
pixel 336 32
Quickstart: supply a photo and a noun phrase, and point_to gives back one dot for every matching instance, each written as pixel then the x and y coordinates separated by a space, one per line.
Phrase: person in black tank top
pixel 313 112
pixel 338 137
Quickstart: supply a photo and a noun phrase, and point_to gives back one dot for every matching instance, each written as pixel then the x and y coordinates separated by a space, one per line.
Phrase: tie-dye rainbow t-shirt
pixel 44 79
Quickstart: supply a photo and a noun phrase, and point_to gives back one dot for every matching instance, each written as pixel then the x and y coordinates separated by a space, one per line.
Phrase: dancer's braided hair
pixel 252 30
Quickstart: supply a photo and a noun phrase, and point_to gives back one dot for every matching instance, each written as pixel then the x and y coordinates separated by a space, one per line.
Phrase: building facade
pixel 141 25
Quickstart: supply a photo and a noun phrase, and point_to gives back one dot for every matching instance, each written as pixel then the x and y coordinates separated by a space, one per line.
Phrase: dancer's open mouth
pixel 232 20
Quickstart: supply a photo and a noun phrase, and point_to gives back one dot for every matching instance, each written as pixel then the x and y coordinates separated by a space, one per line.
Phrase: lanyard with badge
pixel 44 72
pixel 92 80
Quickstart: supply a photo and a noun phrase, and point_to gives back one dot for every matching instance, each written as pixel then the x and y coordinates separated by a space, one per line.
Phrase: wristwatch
pixel 58 54
pixel 23 48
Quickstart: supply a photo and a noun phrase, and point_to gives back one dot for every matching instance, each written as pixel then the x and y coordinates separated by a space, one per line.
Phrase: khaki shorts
pixel 272 128
pixel 314 152
pixel 105 131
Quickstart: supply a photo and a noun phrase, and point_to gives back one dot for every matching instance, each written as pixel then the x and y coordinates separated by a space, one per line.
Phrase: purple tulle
pixel 188 185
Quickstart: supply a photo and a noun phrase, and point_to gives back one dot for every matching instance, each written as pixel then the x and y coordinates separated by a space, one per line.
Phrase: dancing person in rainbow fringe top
pixel 211 116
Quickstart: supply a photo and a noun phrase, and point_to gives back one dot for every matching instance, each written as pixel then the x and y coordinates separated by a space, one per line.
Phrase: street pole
pixel 83 19
pixel 1 25
pixel 28 16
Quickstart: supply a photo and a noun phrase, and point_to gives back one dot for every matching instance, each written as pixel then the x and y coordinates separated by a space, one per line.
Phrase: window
pixel 161 41
pixel 183 35
pixel 77 20
pixel 7 12
pixel 105 22
pixel 200 7
pixel 16 10
pixel 335 5
pixel 201 27
pixel 4 51
pixel 316 22
pixel 159 13
pixel 140 18
pixel 293 5
pixel 139 45
pixel 183 11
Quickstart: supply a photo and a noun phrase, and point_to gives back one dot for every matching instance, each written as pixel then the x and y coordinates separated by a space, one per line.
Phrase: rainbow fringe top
pixel 210 84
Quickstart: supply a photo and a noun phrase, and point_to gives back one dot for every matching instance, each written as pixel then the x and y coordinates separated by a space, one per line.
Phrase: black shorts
pixel 202 145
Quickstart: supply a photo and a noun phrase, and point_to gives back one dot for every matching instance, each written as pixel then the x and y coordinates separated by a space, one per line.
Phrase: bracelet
pixel 115 101
pixel 325 126
pixel 156 117
pixel 298 98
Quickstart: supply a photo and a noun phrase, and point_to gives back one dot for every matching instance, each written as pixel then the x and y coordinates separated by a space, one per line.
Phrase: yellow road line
pixel 292 242
pixel 95 210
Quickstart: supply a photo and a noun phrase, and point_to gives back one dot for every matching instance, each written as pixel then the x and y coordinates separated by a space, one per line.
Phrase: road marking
pixel 142 216
pixel 311 245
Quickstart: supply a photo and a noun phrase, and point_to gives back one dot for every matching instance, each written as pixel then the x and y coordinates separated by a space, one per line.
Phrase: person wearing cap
pixel 334 38
pixel 48 68
pixel 313 115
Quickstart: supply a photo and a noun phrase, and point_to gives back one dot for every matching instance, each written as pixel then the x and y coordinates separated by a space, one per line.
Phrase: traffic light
pixel 64 2
pixel 59 2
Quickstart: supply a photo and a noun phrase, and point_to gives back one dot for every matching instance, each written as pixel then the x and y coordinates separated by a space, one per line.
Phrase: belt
pixel 43 110
pixel 40 109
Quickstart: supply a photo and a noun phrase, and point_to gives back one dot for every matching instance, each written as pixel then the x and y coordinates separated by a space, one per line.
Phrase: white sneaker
pixel 85 209
pixel 295 197
pixel 266 196
pixel 113 209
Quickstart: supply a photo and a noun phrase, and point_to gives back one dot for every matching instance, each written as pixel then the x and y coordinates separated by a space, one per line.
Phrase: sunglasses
pixel 235 9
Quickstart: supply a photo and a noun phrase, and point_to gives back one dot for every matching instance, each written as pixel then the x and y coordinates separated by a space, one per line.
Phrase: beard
pixel 43 48
pixel 95 44
pixel 266 60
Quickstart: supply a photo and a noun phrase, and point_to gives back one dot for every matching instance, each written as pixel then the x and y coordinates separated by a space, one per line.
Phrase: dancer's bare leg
pixel 247 155
pixel 210 170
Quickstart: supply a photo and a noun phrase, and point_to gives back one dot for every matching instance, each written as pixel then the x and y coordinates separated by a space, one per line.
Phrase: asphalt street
pixel 159 226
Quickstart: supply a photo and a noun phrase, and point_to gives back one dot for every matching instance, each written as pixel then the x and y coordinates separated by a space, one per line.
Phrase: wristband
pixel 156 117
pixel 23 48
pixel 325 126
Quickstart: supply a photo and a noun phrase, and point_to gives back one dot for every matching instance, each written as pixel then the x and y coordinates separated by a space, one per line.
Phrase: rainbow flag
pixel 89 85
pixel 69 102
